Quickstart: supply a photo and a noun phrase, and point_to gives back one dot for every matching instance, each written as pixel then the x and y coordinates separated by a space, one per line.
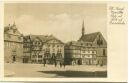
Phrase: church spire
pixel 14 24
pixel 83 29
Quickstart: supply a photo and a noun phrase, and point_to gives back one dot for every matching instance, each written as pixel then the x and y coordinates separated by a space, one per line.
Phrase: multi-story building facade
pixel 43 47
pixel 36 49
pixel 90 49
pixel 13 44
pixel 26 49
pixel 88 55
pixel 96 47
pixel 72 53
pixel 79 53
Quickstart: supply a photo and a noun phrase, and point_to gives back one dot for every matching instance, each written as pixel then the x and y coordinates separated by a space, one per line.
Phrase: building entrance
pixel 79 61
pixel 25 60
pixel 13 56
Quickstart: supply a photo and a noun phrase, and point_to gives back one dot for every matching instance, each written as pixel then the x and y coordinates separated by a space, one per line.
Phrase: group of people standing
pixel 54 60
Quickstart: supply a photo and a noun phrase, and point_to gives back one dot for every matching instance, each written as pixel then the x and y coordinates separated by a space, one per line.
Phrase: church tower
pixel 83 29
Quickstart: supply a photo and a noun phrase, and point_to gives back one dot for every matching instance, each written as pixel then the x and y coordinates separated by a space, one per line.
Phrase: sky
pixel 63 20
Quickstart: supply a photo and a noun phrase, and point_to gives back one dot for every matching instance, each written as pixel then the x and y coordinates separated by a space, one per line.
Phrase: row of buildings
pixel 90 49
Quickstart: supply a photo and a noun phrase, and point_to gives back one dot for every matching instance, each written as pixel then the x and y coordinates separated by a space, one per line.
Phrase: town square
pixel 51 45
pixel 50 71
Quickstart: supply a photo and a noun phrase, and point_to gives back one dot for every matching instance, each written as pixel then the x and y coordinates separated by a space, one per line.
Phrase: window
pixel 57 45
pixel 99 41
pixel 53 45
pixel 39 43
pixel 53 50
pixel 87 44
pixel 60 50
pixel 40 61
pixel 4 44
pixel 48 45
pixel 103 51
pixel 33 56
pixel 33 43
pixel 83 56
pixel 88 55
pixel 39 56
pixel 32 60
pixel 36 42
pixel 44 50
pixel 9 36
pixel 8 44
pixel 81 44
pixel 14 31
pixel 19 38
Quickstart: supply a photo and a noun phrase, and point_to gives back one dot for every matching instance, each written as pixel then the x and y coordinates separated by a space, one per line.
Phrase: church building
pixel 90 49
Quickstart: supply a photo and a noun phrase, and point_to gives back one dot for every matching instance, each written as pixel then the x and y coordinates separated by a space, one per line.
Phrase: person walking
pixel 55 63
pixel 44 62
pixel 64 64
pixel 60 64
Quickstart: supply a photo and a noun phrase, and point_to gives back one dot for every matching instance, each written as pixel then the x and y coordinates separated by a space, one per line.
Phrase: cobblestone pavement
pixel 38 70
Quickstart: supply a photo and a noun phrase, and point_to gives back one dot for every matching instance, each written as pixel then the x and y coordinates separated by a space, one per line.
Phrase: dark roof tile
pixel 89 37
pixel 44 38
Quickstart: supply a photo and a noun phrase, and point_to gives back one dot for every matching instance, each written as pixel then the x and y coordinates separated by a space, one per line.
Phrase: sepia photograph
pixel 55 40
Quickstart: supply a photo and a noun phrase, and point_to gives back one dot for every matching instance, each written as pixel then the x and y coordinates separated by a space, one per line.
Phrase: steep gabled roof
pixel 11 33
pixel 8 30
pixel 44 38
pixel 89 37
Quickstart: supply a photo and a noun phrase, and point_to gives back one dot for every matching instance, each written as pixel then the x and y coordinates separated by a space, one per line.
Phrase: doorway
pixel 79 61
pixel 14 58
pixel 14 55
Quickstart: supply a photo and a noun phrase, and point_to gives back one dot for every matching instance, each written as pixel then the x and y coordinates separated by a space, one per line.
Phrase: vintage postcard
pixel 64 40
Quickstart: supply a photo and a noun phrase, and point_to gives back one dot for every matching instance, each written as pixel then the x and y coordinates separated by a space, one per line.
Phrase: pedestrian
pixel 44 62
pixel 60 64
pixel 55 64
pixel 64 64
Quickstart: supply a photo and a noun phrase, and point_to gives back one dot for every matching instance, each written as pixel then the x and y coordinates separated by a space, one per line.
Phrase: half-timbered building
pixel 90 49
pixel 44 47
pixel 27 44
pixel 95 48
